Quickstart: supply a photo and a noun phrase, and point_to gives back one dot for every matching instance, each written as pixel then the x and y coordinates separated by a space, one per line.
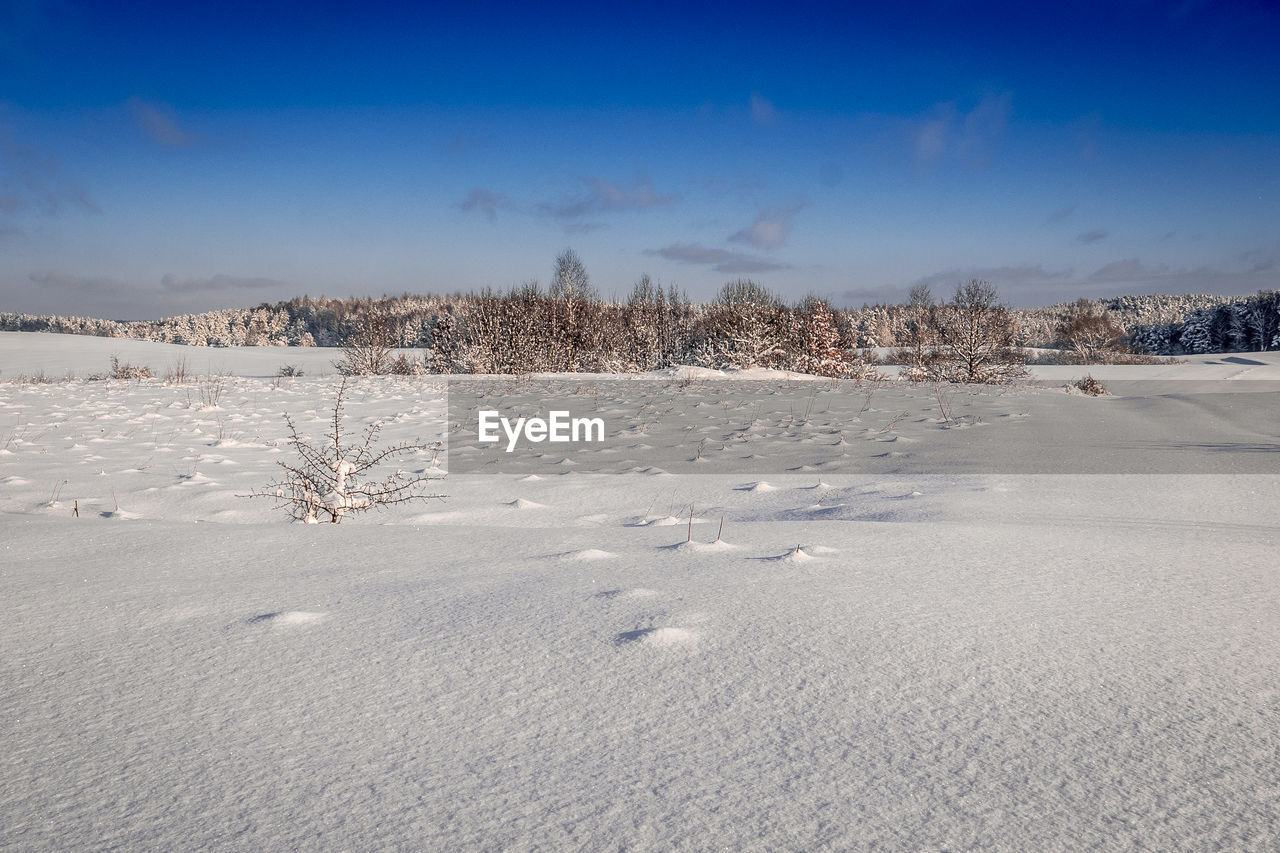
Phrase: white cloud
pixel 769 230
pixel 31 178
pixel 720 260
pixel 486 201
pixel 602 195
pixel 762 109
pixel 158 124
pixel 969 137
pixel 217 284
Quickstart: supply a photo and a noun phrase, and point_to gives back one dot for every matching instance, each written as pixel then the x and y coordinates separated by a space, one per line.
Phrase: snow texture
pixel 920 659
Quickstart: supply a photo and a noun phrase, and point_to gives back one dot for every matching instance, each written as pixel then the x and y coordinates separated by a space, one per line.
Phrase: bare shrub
pixel 121 370
pixel 1091 386
pixel 336 478
pixel 178 373
pixel 1089 334
pixel 211 388
pixel 368 349
pixel 402 365
pixel 289 371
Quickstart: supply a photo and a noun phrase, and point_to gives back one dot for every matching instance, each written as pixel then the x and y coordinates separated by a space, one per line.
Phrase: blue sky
pixel 156 159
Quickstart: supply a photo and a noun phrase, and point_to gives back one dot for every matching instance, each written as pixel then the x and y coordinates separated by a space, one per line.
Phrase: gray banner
pixel 716 426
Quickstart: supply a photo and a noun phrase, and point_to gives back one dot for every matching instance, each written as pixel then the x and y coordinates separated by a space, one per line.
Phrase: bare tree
pixel 919 335
pixel 334 479
pixel 1089 333
pixel 368 349
pixel 976 336
pixel 569 279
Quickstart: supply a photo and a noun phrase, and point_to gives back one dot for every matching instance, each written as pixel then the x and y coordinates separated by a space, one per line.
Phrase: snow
pixel 937 650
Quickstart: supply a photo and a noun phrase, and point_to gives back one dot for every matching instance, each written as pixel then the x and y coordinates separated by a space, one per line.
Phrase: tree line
pixel 568 327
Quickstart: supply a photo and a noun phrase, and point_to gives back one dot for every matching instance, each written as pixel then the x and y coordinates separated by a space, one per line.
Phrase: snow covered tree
pixel 1154 340
pixel 569 279
pixel 1197 335
pixel 819 341
pixel 918 335
pixel 975 336
pixel 743 328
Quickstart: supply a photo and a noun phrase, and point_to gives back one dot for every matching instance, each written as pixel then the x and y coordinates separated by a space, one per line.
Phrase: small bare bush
pixel 402 365
pixel 1091 386
pixel 120 370
pixel 211 388
pixel 178 374
pixel 368 349
pixel 333 479
pixel 289 371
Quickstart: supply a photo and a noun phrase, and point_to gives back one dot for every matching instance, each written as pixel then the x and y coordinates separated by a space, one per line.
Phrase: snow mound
pixel 667 521
pixel 119 513
pixel 639 592
pixel 658 637
pixel 820 549
pixel 288 618
pixel 587 555
pixel 701 547
pixel 761 486
pixel 521 503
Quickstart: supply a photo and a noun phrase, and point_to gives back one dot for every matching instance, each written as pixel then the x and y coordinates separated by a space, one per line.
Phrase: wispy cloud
pixel 769 230
pixel 217 284
pixel 78 283
pixel 943 283
pixel 884 295
pixel 485 201
pixel 1062 214
pixel 60 292
pixel 601 195
pixel 971 137
pixel 720 260
pixel 71 293
pixel 31 179
pixel 933 135
pixel 1128 269
pixel 762 109
pixel 1032 284
pixel 1096 236
pixel 159 124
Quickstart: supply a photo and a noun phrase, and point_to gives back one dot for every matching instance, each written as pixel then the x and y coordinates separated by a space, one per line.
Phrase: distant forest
pixel 567 327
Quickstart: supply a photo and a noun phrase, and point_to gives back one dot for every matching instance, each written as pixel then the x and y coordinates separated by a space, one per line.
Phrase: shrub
pixel 1089 334
pixel 129 371
pixel 1091 386
pixel 337 478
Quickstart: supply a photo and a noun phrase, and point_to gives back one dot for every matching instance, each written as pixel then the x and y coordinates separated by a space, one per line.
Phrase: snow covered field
pixel 1047 622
